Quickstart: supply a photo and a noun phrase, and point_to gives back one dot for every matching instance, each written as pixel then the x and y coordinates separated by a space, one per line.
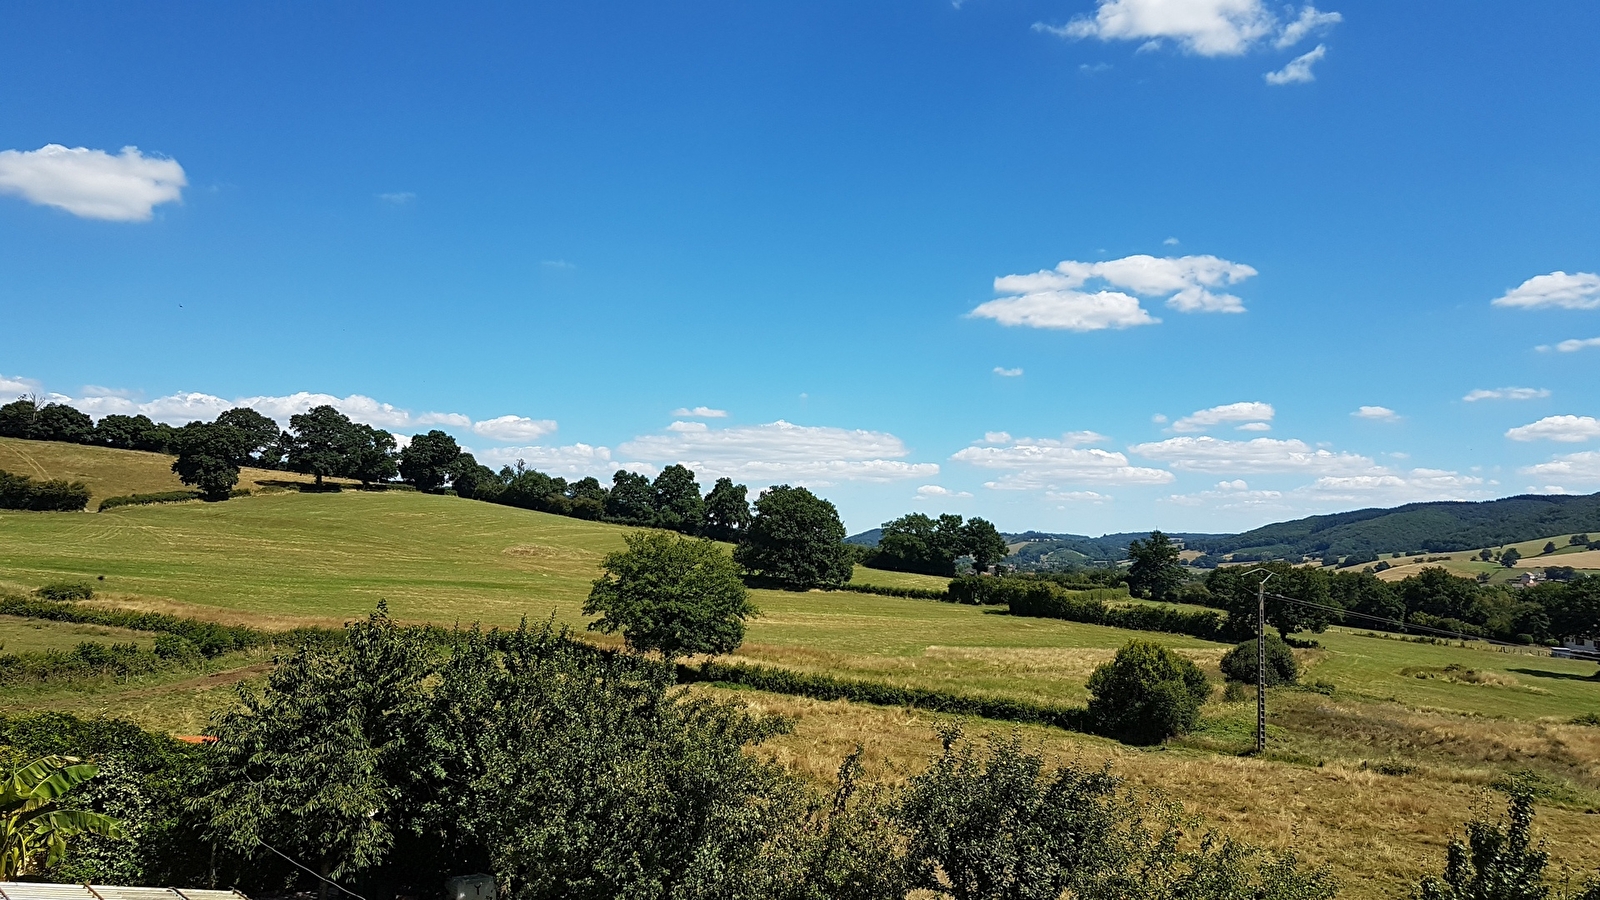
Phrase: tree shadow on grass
pixel 1567 676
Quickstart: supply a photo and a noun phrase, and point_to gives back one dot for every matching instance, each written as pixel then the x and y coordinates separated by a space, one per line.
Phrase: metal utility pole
pixel 1261 660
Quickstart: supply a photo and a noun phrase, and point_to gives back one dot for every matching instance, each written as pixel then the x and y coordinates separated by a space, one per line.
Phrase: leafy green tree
pixel 1365 593
pixel 34 828
pixel 1234 589
pixel 1500 861
pixel 680 596
pixel 588 498
pixel 675 497
pixel 16 417
pixel 1486 554
pixel 1438 592
pixel 1146 694
pixel 996 826
pixel 59 422
pixel 208 458
pixel 1239 664
pixel 1156 571
pixel 796 539
pixel 476 481
pixel 327 764
pixel 131 433
pixel 262 436
pixel 1578 540
pixel 371 457
pixel 321 442
pixel 727 510
pixel 919 543
pixel 427 462
pixel 982 541
pixel 631 500
pixel 1549 547
pixel 1510 558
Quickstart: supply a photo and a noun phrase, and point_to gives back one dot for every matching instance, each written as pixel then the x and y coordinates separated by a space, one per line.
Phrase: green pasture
pixel 19 635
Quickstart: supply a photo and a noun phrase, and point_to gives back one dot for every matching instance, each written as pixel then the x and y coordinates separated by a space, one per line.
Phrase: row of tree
pixel 1434 598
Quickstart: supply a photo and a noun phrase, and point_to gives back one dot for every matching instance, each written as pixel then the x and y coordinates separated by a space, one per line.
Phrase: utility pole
pixel 1261 660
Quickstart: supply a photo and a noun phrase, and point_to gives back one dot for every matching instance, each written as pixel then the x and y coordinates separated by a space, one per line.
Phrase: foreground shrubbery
pixel 1239 664
pixel 1146 694
pixel 54 495
pixel 208 638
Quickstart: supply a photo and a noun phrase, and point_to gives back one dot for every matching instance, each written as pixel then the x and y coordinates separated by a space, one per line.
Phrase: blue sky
pixel 915 253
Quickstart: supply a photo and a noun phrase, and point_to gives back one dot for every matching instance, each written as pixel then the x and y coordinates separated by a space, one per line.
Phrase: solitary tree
pixel 982 541
pixel 208 457
pixel 1549 547
pixel 1156 571
pixel 795 539
pixel 34 829
pixel 727 510
pixel 678 595
pixel 427 461
pixel 1510 558
pixel 1146 694
pixel 322 441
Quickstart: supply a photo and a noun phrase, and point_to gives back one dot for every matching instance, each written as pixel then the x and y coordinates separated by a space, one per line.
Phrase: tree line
pixel 933 546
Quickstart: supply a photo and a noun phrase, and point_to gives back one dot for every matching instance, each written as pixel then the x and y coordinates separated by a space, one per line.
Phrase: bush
pixel 176 649
pixel 1029 597
pixel 210 638
pixel 54 495
pixel 87 660
pixel 1239 664
pixel 1146 694
pixel 67 590
pixel 139 499
pixel 886 591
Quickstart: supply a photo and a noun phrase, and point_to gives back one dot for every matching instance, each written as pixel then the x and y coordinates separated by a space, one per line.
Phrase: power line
pixel 1396 623
pixel 308 870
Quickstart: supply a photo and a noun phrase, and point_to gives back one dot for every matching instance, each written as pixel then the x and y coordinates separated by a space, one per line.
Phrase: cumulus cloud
pixel 939 492
pixel 570 461
pixel 1228 495
pixel 1298 70
pixel 700 412
pixel 1077 496
pixel 189 406
pixel 1035 463
pixel 1563 429
pixel 1201 27
pixel 1209 454
pixel 397 198
pixel 514 428
pixel 1008 373
pixel 1508 393
pixel 92 184
pixel 1395 487
pixel 1055 298
pixel 1580 290
pixel 782 452
pixel 1246 411
pixel 11 385
pixel 1581 468
pixel 1376 414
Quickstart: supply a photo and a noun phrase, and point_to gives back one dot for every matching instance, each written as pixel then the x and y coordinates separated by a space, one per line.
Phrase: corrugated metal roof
pixel 21 890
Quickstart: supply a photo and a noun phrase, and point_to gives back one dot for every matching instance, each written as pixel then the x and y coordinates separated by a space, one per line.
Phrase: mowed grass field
pixel 1374 777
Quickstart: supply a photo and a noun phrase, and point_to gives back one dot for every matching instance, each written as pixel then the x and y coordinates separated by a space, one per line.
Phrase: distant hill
pixel 1431 527
pixel 867 538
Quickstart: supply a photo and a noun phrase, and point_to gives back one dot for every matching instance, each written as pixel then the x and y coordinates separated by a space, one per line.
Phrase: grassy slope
pixel 32 635
pixel 289 558
pixel 109 473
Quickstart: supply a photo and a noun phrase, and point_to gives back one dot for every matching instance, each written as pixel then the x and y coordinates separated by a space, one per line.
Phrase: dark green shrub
pixel 55 495
pixel 67 590
pixel 176 649
pixel 1239 664
pixel 1146 694
pixel 886 591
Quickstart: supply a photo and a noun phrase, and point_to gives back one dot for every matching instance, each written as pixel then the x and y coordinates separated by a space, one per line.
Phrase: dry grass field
pixel 1373 778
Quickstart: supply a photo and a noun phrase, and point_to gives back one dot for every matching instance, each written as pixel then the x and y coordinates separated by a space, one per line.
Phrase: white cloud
pixel 557 264
pixel 1209 454
pixel 1395 487
pixel 1033 463
pixel 1201 27
pixel 1008 373
pixel 514 428
pixel 1574 345
pixel 1245 411
pixel 1565 429
pixel 939 492
pixel 189 406
pixel 1508 393
pixel 997 437
pixel 1171 242
pixel 398 198
pixel 12 386
pixel 92 184
pixel 1159 419
pixel 1077 496
pixel 700 412
pixel 1053 298
pixel 1580 290
pixel 1582 467
pixel 1311 19
pixel 1227 497
pixel 1253 426
pixel 783 452
pixel 1377 414
pixel 570 461
pixel 1298 70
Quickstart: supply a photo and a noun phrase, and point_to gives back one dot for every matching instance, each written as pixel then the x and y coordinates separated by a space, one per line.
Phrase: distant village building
pixel 1582 646
pixel 1528 579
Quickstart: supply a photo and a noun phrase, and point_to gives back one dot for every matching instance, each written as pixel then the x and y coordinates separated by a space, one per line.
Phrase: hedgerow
pixel 829 687
pixel 161 497
pixel 987 590
pixel 87 660
pixel 1042 599
pixel 907 592
pixel 67 590
pixel 209 638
